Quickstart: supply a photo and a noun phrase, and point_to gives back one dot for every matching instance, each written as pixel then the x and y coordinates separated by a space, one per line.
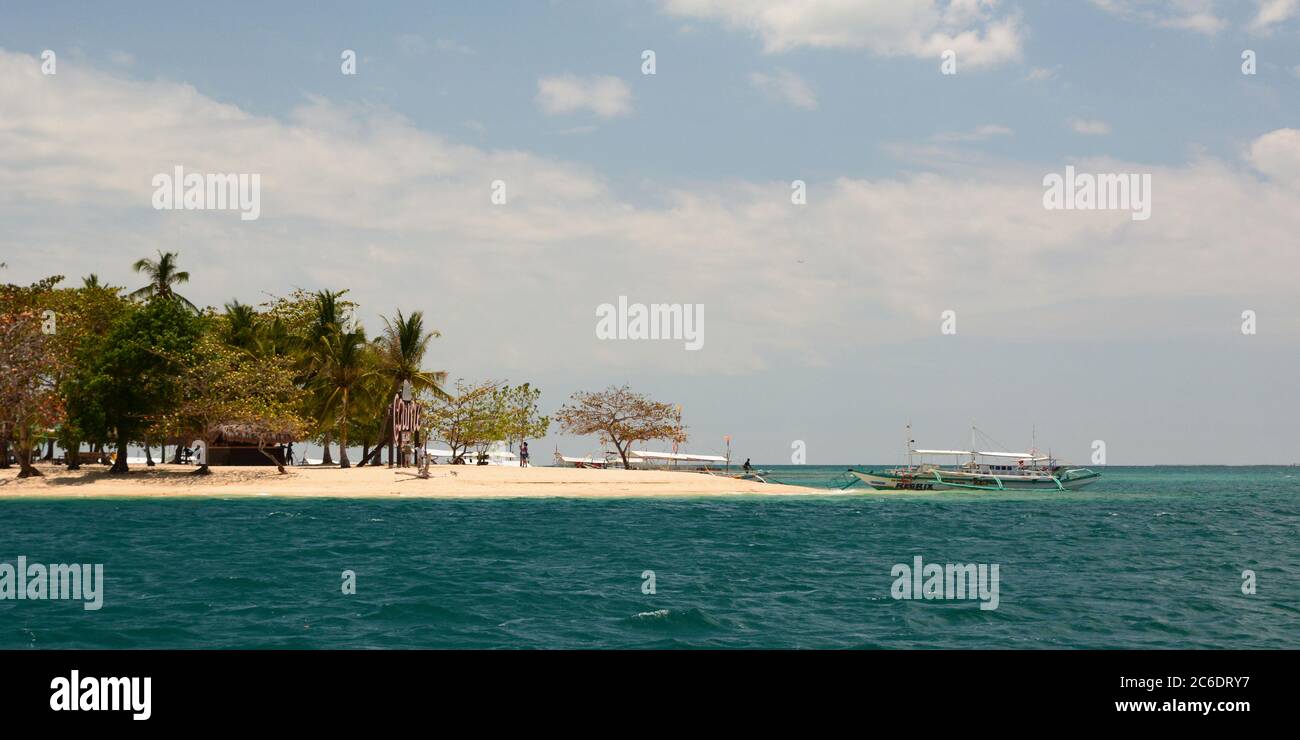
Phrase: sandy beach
pixel 446 481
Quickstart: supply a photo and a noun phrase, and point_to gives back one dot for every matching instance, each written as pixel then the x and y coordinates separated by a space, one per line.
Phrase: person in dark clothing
pixel 523 454
pixel 747 466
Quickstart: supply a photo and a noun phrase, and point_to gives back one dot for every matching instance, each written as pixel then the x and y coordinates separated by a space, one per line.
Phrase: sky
pixel 825 323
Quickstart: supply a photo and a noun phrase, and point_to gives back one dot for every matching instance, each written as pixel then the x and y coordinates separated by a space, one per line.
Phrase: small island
pixel 444 481
pixel 90 373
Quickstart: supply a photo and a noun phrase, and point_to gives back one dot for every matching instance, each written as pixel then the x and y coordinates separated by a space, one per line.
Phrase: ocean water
pixel 1148 557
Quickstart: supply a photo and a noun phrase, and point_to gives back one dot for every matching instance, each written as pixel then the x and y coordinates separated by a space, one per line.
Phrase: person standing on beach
pixel 288 454
pixel 523 454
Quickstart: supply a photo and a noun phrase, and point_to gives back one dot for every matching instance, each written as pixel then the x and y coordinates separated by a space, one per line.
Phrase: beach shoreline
pixel 445 481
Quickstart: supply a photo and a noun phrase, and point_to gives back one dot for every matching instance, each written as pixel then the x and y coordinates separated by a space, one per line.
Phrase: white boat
pixel 977 470
pixel 674 459
pixel 565 461
pixel 498 453
pixel 645 460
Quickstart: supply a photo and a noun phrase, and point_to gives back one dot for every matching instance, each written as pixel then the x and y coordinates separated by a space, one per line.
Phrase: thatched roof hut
pixel 247 443
pixel 248 434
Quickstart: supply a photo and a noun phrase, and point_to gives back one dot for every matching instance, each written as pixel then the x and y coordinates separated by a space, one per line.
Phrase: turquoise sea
pixel 1148 557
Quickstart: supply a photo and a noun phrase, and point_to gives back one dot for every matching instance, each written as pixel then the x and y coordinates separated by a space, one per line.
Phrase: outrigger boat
pixel 975 470
pixel 646 460
pixel 679 461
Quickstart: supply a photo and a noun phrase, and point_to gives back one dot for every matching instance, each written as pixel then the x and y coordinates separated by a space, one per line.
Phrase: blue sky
pixel 822 320
pixel 456 66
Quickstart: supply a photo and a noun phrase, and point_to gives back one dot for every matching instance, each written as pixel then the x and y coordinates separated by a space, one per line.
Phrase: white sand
pixel 446 481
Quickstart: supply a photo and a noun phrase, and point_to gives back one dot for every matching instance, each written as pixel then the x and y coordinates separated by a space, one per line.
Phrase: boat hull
pixel 890 481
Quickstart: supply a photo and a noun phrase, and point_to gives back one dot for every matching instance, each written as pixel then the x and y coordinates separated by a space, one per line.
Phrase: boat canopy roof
pixel 441 452
pixel 1012 455
pixel 646 455
pixel 584 460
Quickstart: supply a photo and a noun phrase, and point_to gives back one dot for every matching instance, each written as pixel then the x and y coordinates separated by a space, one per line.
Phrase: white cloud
pixel 1272 12
pixel 412 44
pixel 1277 155
pixel 1191 15
pixel 452 46
pixel 359 197
pixel 1090 127
pixel 981 133
pixel 785 86
pixel 974 29
pixel 607 97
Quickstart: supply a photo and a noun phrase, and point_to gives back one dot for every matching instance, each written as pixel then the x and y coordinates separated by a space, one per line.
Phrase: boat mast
pixel 909 444
pixel 972 441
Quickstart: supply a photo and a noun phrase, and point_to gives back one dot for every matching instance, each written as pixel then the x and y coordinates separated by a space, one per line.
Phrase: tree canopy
pixel 97 364
pixel 620 417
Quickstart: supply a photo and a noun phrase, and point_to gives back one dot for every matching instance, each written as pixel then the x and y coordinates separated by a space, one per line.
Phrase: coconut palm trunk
pixel 325 458
pixel 343 433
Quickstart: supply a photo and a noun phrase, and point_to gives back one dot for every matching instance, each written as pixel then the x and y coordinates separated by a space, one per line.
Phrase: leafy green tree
pixel 520 418
pixel 231 391
pixel 466 419
pixel 79 316
pixel 132 375
pixel 618 416
pixel 28 367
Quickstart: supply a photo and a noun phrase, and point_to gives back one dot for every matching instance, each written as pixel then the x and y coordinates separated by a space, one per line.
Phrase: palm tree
pixel 326 321
pixel 401 352
pixel 241 326
pixel 328 317
pixel 162 275
pixel 273 339
pixel 366 408
pixel 345 368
